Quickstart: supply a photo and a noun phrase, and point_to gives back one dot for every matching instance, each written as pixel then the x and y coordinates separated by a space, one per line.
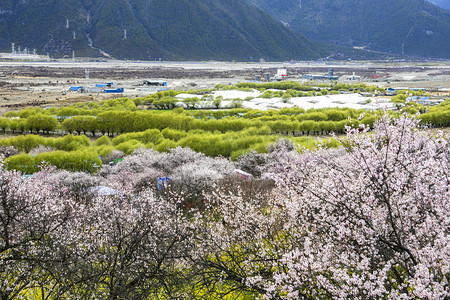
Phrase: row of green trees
pixel 25 143
pixel 297 86
pixel 113 116
pixel 286 121
pixel 93 108
pixel 118 122
pixel 34 123
pixel 78 153
pixel 113 123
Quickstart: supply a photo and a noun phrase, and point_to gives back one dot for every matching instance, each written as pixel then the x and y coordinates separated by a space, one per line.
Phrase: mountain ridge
pixel 441 3
pixel 406 27
pixel 170 30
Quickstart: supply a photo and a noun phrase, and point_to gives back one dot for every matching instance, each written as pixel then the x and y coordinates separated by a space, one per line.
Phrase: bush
pixel 129 146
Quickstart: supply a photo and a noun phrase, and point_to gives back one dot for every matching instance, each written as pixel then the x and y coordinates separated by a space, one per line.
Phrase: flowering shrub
pixel 190 171
pixel 42 149
pixel 7 151
pixel 74 185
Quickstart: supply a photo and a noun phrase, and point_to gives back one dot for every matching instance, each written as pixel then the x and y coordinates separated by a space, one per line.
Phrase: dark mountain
pixel 409 27
pixel 441 3
pixel 166 29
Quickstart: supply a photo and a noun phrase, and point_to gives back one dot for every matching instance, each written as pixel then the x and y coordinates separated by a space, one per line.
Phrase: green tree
pixel 129 146
pixel 217 102
pixel 11 114
pixel 72 143
pixel 4 124
pixel 42 122
pixel 22 162
pixel 104 140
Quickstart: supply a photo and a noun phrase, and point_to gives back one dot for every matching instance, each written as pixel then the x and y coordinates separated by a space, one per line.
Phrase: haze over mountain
pixel 151 29
pixel 409 27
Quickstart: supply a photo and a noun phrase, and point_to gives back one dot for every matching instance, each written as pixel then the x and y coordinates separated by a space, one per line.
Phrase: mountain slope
pixel 167 29
pixel 441 3
pixel 410 27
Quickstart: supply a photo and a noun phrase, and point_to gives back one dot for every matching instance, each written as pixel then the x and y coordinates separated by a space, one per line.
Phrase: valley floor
pixel 43 84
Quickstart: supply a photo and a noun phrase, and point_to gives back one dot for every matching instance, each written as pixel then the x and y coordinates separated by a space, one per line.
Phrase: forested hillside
pixel 408 27
pixel 151 29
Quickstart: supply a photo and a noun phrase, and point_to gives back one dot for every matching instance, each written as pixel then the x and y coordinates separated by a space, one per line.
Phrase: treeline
pixel 114 122
pixel 293 121
pixel 297 86
pixel 79 160
pixel 75 153
pixel 128 115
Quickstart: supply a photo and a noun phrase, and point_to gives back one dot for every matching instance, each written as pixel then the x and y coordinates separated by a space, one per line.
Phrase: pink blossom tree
pixel 190 172
pixel 138 248
pixel 33 221
pixel 370 222
pixel 238 239
pixel 57 246
pixel 74 185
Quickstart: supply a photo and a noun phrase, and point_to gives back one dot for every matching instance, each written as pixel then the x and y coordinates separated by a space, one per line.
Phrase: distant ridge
pixel 151 30
pixel 441 3
pixel 406 27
